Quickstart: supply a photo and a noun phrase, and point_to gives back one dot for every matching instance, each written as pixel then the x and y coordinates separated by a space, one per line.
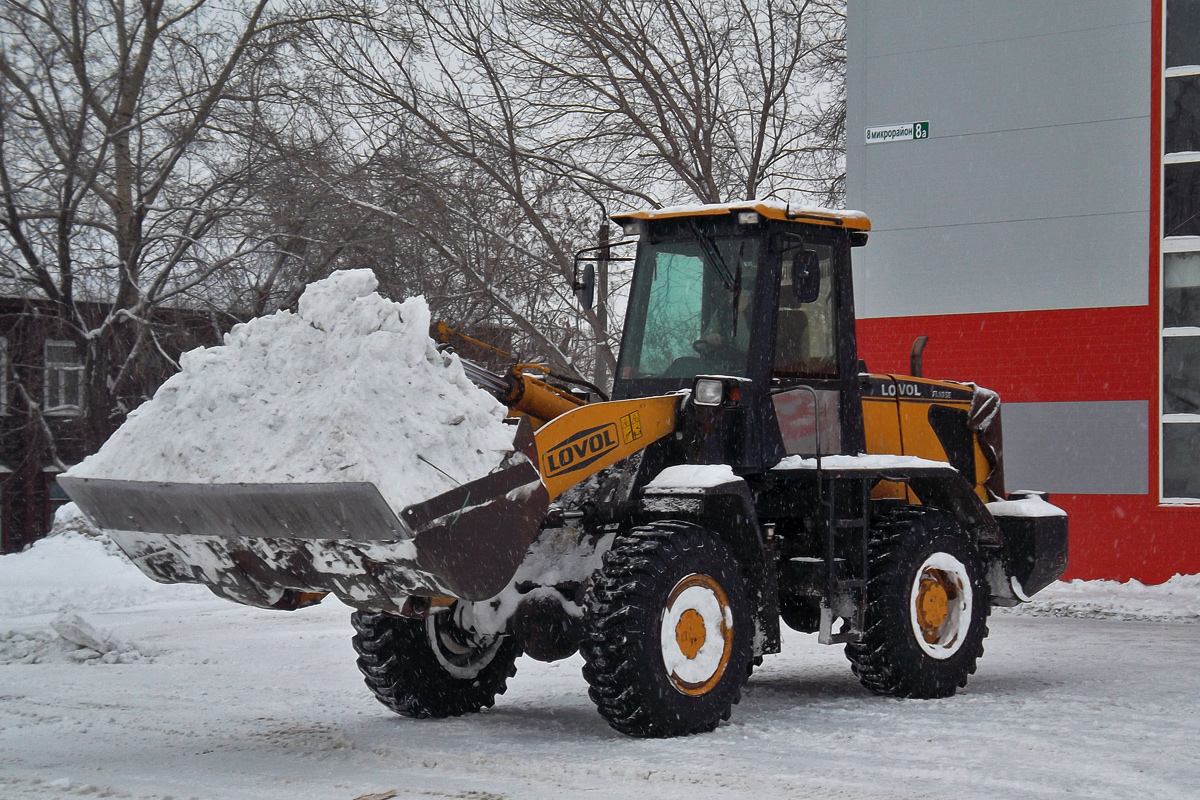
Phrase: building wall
pixel 27 468
pixel 37 433
pixel 1022 236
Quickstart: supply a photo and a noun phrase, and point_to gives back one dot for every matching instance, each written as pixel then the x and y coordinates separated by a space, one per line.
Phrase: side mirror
pixel 586 288
pixel 806 276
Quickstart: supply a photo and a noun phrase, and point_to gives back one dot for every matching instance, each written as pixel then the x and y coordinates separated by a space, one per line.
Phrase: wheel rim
pixel 696 634
pixel 940 605
pixel 462 653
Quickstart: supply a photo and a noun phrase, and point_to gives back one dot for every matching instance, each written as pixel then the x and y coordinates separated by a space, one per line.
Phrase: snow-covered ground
pixel 1091 692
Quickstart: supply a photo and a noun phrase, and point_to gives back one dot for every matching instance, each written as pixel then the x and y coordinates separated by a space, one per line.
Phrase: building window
pixel 1181 255
pixel 63 389
pixel 1182 111
pixel 58 497
pixel 1183 33
pixel 1181 197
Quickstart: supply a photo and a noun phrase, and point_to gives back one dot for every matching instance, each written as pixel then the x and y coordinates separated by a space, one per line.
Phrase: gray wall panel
pixel 1027 266
pixel 905 26
pixel 1010 175
pixel 1033 190
pixel 1022 83
pixel 1077 448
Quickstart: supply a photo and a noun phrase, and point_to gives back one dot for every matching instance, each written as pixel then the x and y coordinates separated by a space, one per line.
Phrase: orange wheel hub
pixel 941 605
pixel 933 604
pixel 689 632
pixel 696 634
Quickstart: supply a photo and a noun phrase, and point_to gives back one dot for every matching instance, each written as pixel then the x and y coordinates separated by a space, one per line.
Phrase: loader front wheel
pixel 668 632
pixel 431 667
pixel 927 607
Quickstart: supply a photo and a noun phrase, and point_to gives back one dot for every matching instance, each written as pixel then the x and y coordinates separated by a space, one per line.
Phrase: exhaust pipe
pixel 914 357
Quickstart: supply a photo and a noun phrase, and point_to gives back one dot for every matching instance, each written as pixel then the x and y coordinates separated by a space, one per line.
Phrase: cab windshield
pixel 690 308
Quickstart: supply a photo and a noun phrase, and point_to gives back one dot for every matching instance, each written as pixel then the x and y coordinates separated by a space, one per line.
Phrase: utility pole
pixel 600 374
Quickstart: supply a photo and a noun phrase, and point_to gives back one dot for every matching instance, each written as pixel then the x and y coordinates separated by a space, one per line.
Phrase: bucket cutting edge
pixel 323 537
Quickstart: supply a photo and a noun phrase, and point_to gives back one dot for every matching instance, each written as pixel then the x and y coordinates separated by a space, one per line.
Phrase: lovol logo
pixel 903 389
pixel 580 450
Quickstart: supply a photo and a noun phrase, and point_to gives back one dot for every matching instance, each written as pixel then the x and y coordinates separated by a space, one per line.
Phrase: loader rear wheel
pixel 431 667
pixel 927 607
pixel 668 632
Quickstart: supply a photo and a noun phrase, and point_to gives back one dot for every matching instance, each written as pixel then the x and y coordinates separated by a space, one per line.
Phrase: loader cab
pixel 760 295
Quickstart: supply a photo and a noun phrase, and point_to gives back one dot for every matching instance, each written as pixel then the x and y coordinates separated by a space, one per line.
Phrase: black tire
pixel 651 576
pixel 431 667
pixel 927 607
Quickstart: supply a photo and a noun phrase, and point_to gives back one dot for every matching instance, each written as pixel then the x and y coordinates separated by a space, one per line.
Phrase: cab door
pixel 813 361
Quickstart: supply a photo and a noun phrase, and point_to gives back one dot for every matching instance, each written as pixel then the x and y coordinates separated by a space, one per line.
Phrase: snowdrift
pixel 1177 600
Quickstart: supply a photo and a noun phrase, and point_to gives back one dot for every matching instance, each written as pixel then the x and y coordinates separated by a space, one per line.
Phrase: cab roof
pixel 770 209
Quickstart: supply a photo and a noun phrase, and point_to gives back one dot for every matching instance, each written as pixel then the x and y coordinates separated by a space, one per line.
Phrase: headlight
pixel 708 392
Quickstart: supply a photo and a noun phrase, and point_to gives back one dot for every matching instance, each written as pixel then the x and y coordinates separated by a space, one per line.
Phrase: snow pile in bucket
pixel 351 388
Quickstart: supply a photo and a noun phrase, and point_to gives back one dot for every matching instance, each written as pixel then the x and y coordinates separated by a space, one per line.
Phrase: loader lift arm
pixel 270 544
pixel 574 439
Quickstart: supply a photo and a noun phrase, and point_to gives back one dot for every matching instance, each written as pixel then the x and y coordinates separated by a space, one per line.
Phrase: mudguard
pixel 726 507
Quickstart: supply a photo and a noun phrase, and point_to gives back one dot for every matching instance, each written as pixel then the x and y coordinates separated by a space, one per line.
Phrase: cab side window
pixel 806 333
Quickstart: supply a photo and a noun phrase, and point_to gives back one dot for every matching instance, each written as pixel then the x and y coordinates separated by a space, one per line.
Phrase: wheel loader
pixel 746 471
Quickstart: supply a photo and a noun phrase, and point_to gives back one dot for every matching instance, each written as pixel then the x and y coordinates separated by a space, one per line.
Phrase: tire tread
pixel 881 661
pixel 640 563
pixel 399 667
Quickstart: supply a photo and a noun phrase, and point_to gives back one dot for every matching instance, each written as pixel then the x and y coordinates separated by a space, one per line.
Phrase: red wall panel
pixel 1028 356
pixel 1119 537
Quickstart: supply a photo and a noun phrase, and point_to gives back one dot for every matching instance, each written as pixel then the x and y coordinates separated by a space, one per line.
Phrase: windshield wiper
pixel 709 248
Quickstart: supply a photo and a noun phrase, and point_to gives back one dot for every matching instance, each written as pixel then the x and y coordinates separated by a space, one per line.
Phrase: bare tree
pixel 439 85
pixel 125 189
pixel 173 154
pixel 537 118
pixel 708 100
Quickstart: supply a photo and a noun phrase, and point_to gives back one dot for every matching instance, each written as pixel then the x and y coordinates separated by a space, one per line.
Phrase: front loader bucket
pixel 255 542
